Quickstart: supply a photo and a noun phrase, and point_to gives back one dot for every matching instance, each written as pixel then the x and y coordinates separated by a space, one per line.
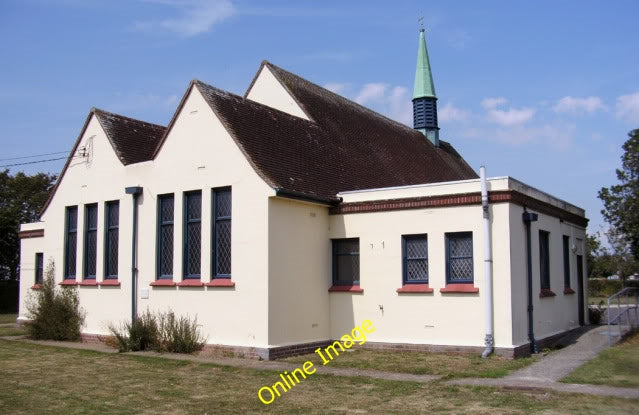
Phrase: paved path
pixel 584 344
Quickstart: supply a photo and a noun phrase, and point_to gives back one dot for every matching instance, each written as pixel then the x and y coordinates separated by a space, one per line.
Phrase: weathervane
pixel 421 23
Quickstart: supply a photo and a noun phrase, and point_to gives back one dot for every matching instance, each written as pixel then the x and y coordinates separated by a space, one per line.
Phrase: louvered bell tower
pixel 424 98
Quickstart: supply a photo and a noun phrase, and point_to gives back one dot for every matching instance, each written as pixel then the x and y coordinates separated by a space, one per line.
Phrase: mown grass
pixel 446 365
pixel 12 331
pixel 8 318
pixel 616 366
pixel 42 379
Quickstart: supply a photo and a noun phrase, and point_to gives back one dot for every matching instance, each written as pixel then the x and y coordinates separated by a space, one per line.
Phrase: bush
pixel 595 313
pixel 162 333
pixel 55 313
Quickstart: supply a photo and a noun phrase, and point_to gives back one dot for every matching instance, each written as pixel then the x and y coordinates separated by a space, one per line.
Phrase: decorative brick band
pixel 462 199
pixel 33 233
pixel 262 353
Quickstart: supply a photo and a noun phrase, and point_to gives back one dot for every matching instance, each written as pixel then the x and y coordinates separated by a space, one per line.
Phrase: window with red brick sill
pixel 415 264
pixel 414 288
pixel 546 292
pixel 345 265
pixel 220 282
pixel 459 288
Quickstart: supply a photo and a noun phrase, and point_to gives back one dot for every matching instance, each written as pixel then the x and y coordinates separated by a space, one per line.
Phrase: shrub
pixel 162 332
pixel 55 313
pixel 605 288
pixel 595 313
pixel 180 335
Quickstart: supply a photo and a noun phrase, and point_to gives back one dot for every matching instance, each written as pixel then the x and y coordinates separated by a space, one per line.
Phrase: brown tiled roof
pixel 133 140
pixel 344 147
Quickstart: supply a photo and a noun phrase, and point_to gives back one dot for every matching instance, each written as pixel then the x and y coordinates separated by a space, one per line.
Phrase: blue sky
pixel 542 91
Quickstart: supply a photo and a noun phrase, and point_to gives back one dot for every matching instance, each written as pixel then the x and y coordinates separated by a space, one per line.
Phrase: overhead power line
pixel 33 162
pixel 35 155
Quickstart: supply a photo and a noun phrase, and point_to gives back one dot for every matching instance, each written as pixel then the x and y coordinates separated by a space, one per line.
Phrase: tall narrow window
pixel 544 260
pixel 111 239
pixel 39 268
pixel 459 258
pixel 221 235
pixel 192 234
pixel 71 242
pixel 346 262
pixel 165 237
pixel 90 240
pixel 566 261
pixel 415 256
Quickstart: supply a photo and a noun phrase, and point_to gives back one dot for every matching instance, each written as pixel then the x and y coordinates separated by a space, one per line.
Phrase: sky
pixel 545 91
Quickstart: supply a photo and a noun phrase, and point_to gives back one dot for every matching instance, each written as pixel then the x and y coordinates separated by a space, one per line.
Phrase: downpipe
pixel 489 340
pixel 136 192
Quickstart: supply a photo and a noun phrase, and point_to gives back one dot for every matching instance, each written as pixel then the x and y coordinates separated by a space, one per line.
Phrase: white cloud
pixel 194 16
pixel 336 87
pixel 579 105
pixel 490 103
pixel 628 107
pixel 451 113
pixel 509 117
pixel 556 135
pixel 373 92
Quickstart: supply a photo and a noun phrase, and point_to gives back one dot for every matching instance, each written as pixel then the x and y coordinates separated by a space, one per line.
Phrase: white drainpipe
pixel 489 340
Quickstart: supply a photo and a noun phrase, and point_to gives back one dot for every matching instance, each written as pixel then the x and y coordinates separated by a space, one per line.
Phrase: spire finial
pixel 421 23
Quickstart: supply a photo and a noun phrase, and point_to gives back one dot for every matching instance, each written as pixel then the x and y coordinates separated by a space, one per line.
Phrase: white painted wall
pixel 198 154
pixel 299 272
pixel 437 318
pixel 267 90
pixel 551 315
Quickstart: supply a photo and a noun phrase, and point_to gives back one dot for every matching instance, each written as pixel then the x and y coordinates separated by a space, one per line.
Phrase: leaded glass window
pixel 71 239
pixel 415 255
pixel 192 234
pixel 544 259
pixel 346 262
pixel 39 267
pixel 111 241
pixel 90 240
pixel 165 237
pixel 459 258
pixel 222 209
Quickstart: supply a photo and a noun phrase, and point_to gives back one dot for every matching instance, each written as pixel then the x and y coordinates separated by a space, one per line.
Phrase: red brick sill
pixel 109 283
pixel 88 283
pixel 162 283
pixel 220 282
pixel 459 288
pixel 545 292
pixel 68 282
pixel 415 288
pixel 190 283
pixel 36 287
pixel 568 291
pixel 346 289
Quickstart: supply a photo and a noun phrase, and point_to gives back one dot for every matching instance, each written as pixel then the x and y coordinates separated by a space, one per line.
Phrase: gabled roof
pixel 133 140
pixel 344 147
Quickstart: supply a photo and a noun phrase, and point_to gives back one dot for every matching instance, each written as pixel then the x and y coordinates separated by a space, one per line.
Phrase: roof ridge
pixel 113 114
pixel 248 101
pixel 341 97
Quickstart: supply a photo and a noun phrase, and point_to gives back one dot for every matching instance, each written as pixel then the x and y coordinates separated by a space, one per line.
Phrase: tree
pixel 21 199
pixel 621 201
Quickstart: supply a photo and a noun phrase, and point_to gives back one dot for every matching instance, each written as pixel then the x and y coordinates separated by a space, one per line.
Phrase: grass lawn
pixel 448 366
pixel 41 379
pixel 8 318
pixel 616 366
pixel 12 331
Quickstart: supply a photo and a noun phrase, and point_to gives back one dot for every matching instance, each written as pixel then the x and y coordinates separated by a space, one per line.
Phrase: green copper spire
pixel 424 86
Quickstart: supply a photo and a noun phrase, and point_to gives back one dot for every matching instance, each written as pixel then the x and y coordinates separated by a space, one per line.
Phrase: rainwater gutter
pixel 489 340
pixel 136 191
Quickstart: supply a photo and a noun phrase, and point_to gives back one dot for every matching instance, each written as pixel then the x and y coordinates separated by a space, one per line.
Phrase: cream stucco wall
pixel 551 315
pixel 198 155
pixel 269 91
pixel 299 272
pixel 437 318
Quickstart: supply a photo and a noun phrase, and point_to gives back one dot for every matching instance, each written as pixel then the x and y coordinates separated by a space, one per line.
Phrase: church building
pixel 285 217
